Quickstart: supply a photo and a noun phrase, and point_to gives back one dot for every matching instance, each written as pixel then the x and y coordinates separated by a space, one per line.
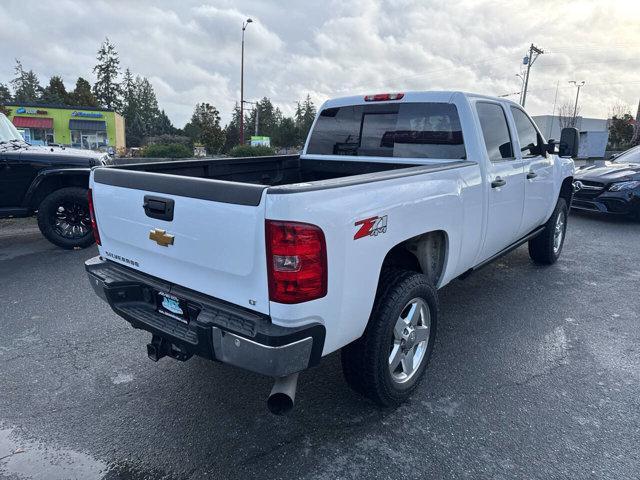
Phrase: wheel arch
pixel 566 190
pixel 426 253
pixel 52 180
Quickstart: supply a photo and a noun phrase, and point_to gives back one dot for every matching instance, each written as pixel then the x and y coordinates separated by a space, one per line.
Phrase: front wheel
pixel 545 249
pixel 63 218
pixel 388 362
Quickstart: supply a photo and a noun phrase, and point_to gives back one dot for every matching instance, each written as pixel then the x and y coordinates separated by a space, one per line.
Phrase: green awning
pixel 88 125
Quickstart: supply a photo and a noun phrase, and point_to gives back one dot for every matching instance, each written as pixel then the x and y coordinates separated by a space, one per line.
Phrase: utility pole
pixel 257 117
pixel 244 27
pixel 575 106
pixel 534 52
pixel 521 77
pixel 255 106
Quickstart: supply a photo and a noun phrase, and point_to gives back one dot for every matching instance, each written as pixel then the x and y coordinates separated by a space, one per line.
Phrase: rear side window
pixel 495 131
pixel 412 130
pixel 527 134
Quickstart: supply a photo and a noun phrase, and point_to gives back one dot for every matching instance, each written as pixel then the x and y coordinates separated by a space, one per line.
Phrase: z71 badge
pixel 370 227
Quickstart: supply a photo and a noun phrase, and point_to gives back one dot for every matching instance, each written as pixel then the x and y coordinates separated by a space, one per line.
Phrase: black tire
pixel 542 249
pixel 70 202
pixel 365 362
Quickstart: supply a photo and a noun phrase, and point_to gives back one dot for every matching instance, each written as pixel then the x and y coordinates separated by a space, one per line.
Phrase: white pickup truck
pixel 270 263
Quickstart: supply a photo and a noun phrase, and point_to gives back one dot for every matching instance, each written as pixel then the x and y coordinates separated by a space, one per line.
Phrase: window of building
pixel 495 131
pixel 40 136
pixel 37 136
pixel 90 140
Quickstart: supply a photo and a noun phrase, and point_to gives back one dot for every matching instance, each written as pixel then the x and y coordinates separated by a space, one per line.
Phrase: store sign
pixel 260 141
pixel 87 114
pixel 31 111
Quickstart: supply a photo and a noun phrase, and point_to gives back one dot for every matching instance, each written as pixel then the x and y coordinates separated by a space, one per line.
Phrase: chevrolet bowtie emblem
pixel 161 237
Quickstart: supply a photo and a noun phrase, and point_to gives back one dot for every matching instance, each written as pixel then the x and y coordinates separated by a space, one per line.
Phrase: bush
pixel 249 151
pixel 167 139
pixel 173 150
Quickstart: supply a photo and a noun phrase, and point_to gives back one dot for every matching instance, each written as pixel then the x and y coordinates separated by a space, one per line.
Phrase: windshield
pixel 7 131
pixel 630 156
pixel 411 130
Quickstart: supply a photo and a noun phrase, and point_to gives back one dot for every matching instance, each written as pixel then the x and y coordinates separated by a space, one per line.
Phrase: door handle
pixel 531 175
pixel 498 182
pixel 158 207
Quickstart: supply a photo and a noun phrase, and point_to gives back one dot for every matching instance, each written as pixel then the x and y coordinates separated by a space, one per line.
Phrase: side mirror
pixel 569 142
pixel 550 147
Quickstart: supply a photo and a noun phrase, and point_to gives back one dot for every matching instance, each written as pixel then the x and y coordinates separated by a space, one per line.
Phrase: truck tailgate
pixel 218 243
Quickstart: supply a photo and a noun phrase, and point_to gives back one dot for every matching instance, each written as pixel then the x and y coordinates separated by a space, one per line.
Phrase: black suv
pixel 48 181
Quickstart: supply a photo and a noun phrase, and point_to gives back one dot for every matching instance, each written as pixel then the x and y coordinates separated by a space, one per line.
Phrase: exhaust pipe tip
pixel 280 403
pixel 283 394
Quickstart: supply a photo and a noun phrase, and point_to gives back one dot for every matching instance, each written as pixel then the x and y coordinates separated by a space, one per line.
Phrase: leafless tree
pixel 565 115
pixel 618 110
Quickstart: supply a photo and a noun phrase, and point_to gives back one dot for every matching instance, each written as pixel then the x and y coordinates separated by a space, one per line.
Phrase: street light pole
pixel 244 27
pixel 575 107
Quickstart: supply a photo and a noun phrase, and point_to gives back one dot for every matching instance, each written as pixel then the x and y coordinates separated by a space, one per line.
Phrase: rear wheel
pixel 388 362
pixel 63 218
pixel 545 249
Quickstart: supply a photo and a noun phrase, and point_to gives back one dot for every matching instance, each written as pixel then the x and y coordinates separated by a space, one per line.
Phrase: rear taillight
pixel 381 97
pixel 92 214
pixel 296 262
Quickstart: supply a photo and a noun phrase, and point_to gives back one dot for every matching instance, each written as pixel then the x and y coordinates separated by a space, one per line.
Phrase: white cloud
pixel 190 50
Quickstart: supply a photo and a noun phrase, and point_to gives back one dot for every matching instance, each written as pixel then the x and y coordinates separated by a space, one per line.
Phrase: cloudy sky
pixel 191 52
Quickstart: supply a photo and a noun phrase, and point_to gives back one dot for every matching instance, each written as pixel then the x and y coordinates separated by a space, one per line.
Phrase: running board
pixel 503 252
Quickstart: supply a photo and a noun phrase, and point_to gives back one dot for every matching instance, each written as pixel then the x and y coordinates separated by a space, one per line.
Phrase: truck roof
pixel 440 96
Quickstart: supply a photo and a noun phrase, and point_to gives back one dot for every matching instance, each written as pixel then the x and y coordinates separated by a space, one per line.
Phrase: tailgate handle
pixel 158 207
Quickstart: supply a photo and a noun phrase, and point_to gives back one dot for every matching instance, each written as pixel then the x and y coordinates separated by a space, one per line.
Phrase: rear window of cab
pixel 408 130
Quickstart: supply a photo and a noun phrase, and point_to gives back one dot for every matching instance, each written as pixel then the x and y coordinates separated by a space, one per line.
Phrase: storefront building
pixel 79 127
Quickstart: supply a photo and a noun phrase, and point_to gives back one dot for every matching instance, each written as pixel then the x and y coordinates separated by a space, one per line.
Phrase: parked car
pixel 270 263
pixel 612 188
pixel 48 181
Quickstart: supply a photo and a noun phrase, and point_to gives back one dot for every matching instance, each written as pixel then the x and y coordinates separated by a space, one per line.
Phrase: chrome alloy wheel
pixel 558 232
pixel 410 340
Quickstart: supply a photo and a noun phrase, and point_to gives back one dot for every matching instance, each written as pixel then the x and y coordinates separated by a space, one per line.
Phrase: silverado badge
pixel 161 237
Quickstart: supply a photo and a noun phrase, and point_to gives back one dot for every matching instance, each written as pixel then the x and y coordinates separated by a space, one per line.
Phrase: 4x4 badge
pixel 161 237
pixel 370 227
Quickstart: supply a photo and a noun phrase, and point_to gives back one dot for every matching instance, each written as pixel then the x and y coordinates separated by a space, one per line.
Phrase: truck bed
pixel 267 171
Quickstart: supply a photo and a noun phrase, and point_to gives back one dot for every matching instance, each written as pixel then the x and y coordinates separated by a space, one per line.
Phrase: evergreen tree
pixel 130 111
pixel 147 105
pixel 5 98
pixel 287 134
pixel 164 125
pixel 26 85
pixel 107 89
pixel 5 94
pixel 268 119
pixel 304 116
pixel 232 130
pixel 82 95
pixel 204 128
pixel 55 93
pixel 140 110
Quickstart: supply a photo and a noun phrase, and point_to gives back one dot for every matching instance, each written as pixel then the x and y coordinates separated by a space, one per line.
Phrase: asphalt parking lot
pixel 535 374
